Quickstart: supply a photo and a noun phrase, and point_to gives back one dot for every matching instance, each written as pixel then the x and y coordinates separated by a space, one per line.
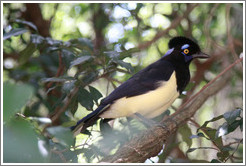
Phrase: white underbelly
pixel 150 104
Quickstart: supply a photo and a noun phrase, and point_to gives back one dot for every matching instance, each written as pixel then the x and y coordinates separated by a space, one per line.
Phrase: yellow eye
pixel 186 51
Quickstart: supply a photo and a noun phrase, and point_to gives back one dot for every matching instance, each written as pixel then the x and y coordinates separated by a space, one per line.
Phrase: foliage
pixel 60 63
pixel 233 121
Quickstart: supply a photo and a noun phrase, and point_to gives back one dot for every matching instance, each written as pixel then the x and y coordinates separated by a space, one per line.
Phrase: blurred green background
pixel 61 59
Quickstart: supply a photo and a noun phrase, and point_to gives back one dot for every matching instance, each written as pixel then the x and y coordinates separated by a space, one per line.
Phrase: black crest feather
pixel 180 40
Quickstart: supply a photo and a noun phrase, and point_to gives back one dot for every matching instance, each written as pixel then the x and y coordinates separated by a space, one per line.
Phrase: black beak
pixel 200 55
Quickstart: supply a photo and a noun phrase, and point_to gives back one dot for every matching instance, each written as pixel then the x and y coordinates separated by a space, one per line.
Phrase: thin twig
pixel 230 38
pixel 107 89
pixel 66 102
pixel 60 155
pixel 231 143
pixel 208 148
pixel 228 31
pixel 234 150
pixel 60 69
pixel 207 24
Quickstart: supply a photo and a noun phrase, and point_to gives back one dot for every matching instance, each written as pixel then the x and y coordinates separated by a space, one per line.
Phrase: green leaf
pixel 27 53
pixel 86 78
pixel 62 134
pixel 68 86
pixel 185 132
pixel 112 54
pixel 63 155
pixel 231 116
pixel 233 126
pixel 54 43
pixel 215 161
pixel 226 148
pixel 211 133
pixel 212 120
pixel 67 56
pixel 37 39
pixel 241 125
pixel 14 32
pixel 52 49
pixel 222 130
pixel 15 96
pixel 223 155
pixel 21 143
pixel 72 156
pixel 85 99
pixel 73 106
pixel 30 24
pixel 228 128
pixel 80 61
pixel 126 65
pixel 82 43
pixel 96 95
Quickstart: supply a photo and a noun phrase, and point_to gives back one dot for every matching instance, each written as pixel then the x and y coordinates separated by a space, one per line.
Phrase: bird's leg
pixel 147 122
pixel 150 123
pixel 106 124
pixel 106 120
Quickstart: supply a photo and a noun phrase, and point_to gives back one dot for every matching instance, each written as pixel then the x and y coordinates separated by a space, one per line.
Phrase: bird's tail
pixel 88 120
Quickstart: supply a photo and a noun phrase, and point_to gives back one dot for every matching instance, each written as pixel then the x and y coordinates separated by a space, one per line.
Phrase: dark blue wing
pixel 142 82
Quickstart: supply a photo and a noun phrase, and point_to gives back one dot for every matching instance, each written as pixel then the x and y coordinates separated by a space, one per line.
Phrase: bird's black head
pixel 184 49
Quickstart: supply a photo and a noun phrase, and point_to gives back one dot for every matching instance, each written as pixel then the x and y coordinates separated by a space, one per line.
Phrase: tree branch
pixel 59 110
pixel 33 14
pixel 149 143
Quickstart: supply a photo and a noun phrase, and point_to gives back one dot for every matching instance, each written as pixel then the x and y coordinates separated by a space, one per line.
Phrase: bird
pixel 152 90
